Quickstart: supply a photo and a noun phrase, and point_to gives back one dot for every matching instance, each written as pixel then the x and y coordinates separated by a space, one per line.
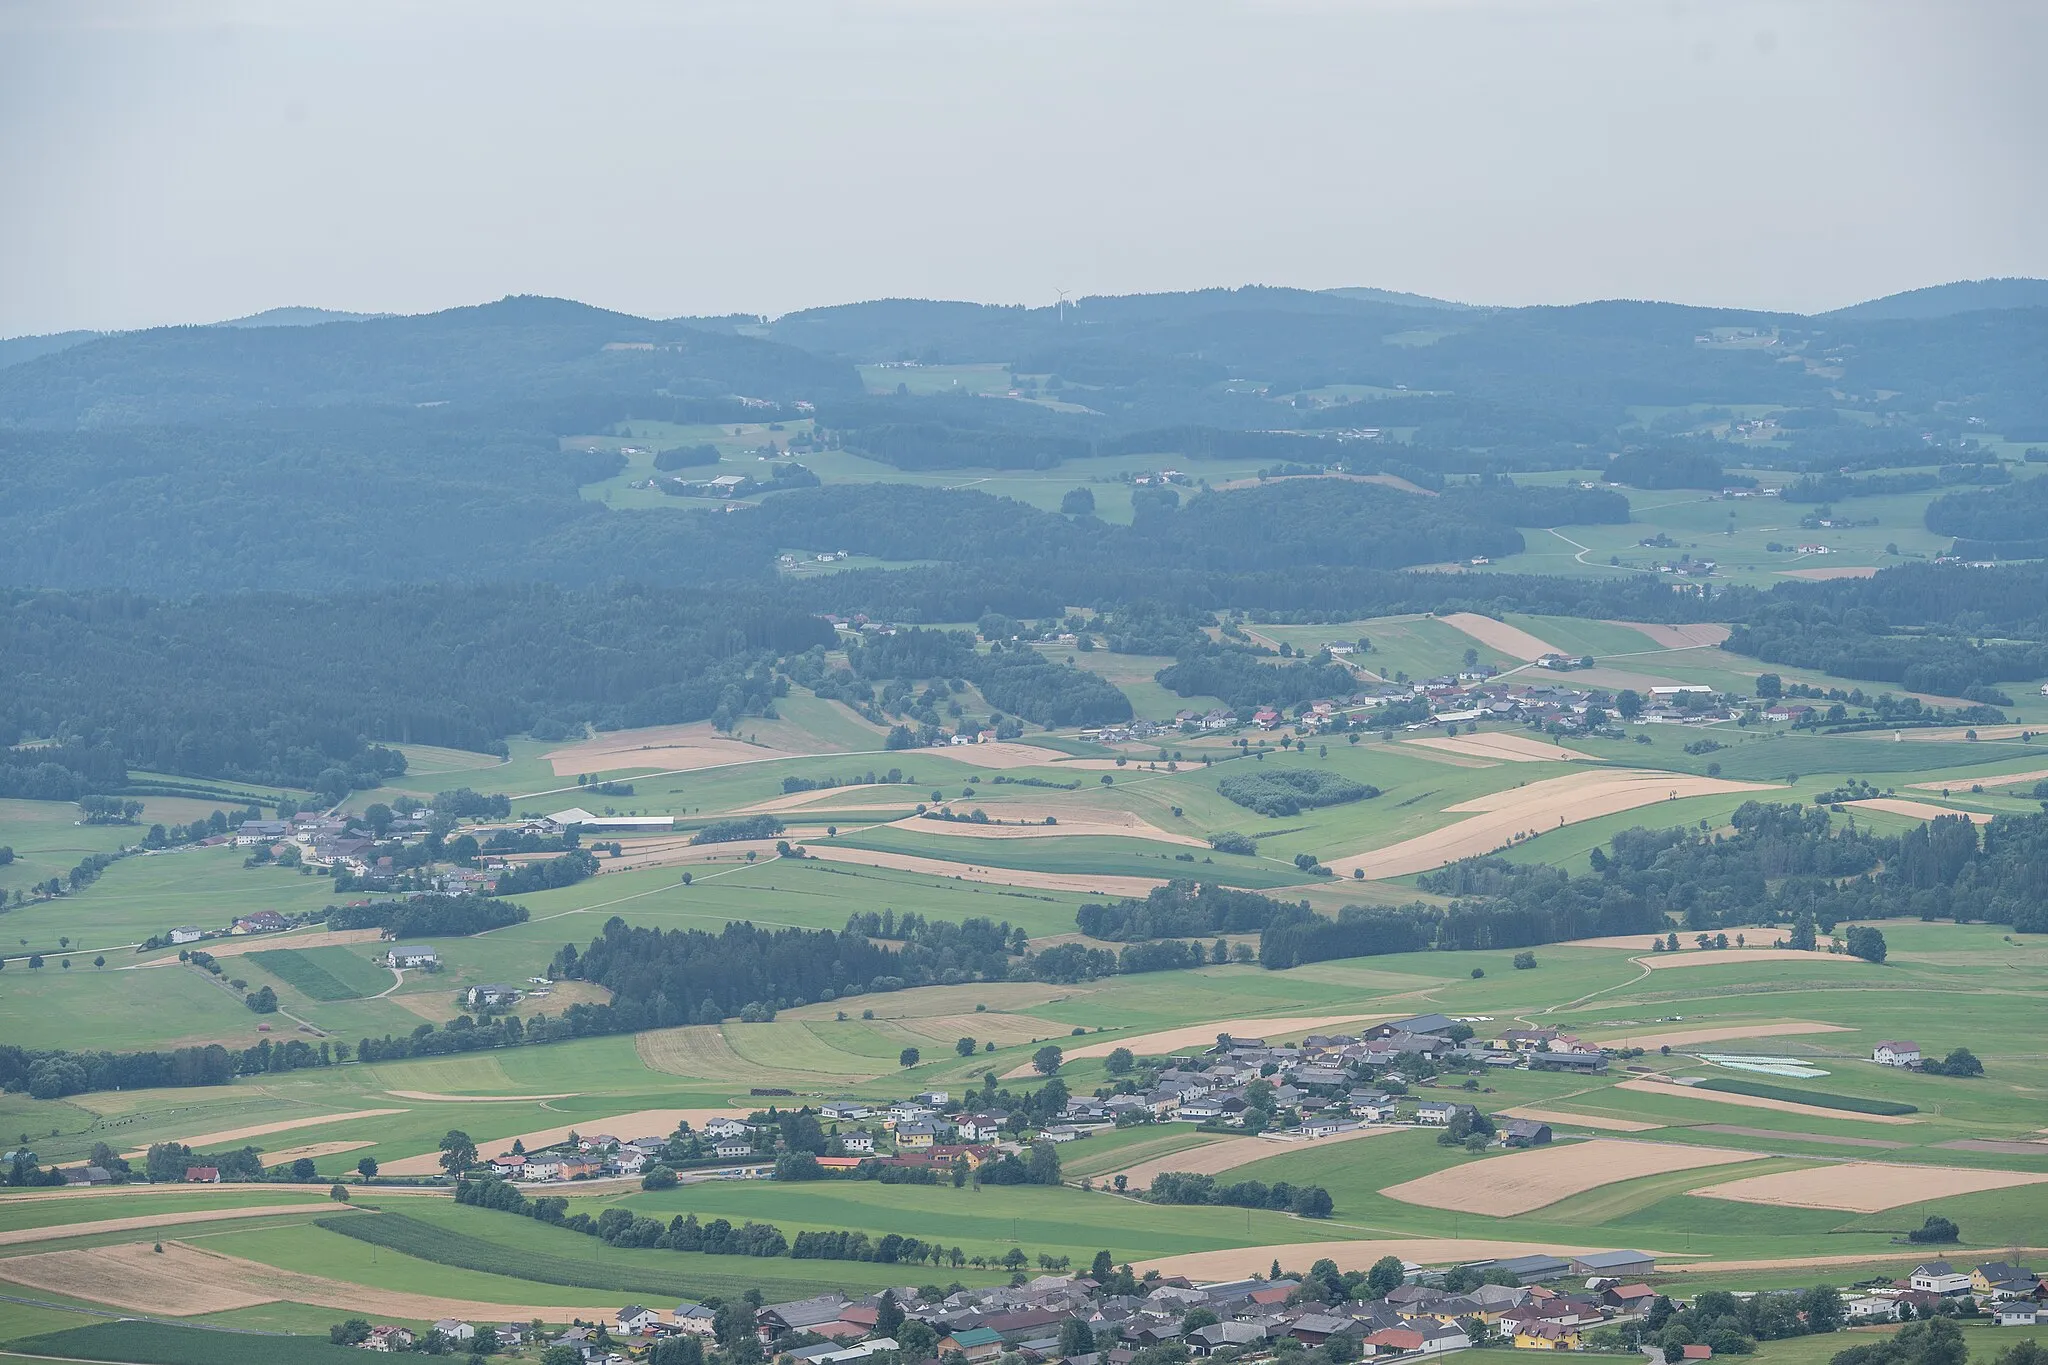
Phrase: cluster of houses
pixel 1315 1078
pixel 2011 1295
pixel 1314 1083
pixel 1419 1318
pixel 328 842
pixel 587 1158
pixel 453 1332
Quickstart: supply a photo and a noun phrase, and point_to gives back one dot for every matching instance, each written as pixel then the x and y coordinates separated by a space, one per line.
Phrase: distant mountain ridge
pixel 1946 300
pixel 1365 294
pixel 299 317
pixel 518 350
pixel 15 350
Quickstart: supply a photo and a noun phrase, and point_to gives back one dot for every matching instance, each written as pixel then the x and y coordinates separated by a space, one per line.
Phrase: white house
pixel 633 1320
pixel 455 1329
pixel 418 955
pixel 1939 1277
pixel 726 1128
pixel 2017 1314
pixel 857 1144
pixel 1896 1052
pixel 978 1128
pixel 186 934
pixel 734 1149
pixel 1871 1308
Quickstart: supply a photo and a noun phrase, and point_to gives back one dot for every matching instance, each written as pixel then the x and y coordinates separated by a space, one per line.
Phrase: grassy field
pixel 324 973
pixel 161 1343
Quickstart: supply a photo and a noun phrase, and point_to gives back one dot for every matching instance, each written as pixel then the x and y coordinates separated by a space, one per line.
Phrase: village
pixel 1286 1092
pixel 1395 1311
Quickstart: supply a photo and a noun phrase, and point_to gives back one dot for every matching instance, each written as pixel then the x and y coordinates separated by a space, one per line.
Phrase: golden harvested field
pixel 1919 810
pixel 178 1283
pixel 1689 1036
pixel 1503 748
pixel 638 1123
pixel 1866 1186
pixel 57 1232
pixel 1721 957
pixel 1557 1118
pixel 1500 818
pixel 1965 783
pixel 1227 1154
pixel 1812 1111
pixel 1502 1186
pixel 184 1280
pixel 237 1136
pixel 1510 640
pixel 1244 1261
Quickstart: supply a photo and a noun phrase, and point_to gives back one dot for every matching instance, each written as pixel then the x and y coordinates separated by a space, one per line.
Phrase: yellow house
pixel 910 1136
pixel 1546 1336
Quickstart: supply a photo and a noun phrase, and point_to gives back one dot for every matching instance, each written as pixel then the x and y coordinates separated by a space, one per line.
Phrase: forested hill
pixel 301 691
pixel 1946 300
pixel 515 350
pixel 314 501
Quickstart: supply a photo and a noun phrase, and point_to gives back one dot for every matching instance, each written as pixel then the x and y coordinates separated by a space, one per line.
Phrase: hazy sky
pixel 175 162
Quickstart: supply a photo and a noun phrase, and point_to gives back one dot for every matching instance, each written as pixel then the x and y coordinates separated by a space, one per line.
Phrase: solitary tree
pixel 1046 1061
pixel 907 1057
pixel 458 1153
pixel 966 1048
pixel 1866 943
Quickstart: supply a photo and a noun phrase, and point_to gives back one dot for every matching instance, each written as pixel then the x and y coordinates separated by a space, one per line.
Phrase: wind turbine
pixel 1063 303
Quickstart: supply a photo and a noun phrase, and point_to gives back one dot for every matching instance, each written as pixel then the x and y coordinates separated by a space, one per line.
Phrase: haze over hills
pixel 297 317
pixel 1945 300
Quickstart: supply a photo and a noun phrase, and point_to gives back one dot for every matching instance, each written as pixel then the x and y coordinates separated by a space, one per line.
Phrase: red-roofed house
pixel 202 1175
